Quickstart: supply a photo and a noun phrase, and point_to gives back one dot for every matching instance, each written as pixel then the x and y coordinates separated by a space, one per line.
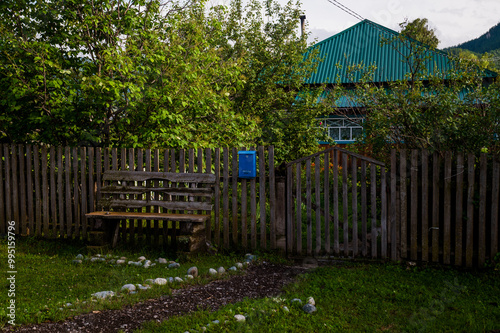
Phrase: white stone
pixel 141 287
pixel 212 271
pixel 120 261
pixel 80 256
pixel 160 281
pixel 189 277
pixel 149 282
pixel 94 259
pixel 141 258
pixel 311 301
pixel 128 287
pixel 162 260
pixel 309 308
pixel 232 268
pixel 296 300
pixel 178 279
pixel 171 280
pixel 193 271
pixel 221 270
pixel 239 318
pixel 174 265
pixel 104 294
pixel 239 265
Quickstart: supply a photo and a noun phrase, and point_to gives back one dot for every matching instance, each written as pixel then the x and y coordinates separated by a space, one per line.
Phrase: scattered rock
pixel 160 281
pixel 128 287
pixel 232 268
pixel 162 260
pixel 311 301
pixel 296 300
pixel 193 271
pixel 141 287
pixel 221 270
pixel 123 258
pixel 149 282
pixel 141 258
pixel 76 261
pixel 286 309
pixel 215 322
pixel 239 265
pixel 171 280
pixel 309 308
pixel 104 294
pixel 174 265
pixel 79 257
pixel 189 277
pixel 212 271
pixel 120 261
pixel 239 318
pixel 178 279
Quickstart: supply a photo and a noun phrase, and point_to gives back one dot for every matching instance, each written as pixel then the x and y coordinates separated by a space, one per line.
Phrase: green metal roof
pixel 363 44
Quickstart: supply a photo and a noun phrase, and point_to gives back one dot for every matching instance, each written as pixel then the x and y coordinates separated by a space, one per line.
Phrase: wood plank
pixel 447 209
pixel 364 219
pixel 38 195
pixel 15 187
pixel 253 212
pixel 289 210
pixel 298 204
pixel 244 202
pixel 3 218
pixel 225 197
pixel 67 192
pixel 22 191
pixel 459 210
pixel 404 204
pixel 262 198
pixel 116 175
pixel 374 228
pixel 76 193
pixel 326 199
pixel 156 168
pixel 85 190
pixel 495 202
pixel 317 195
pixel 60 191
pixel 345 204
pixel 45 192
pixel 436 162
pixel 8 188
pixel 123 166
pixel 425 205
pixel 393 210
pixel 482 210
pixel 234 196
pixel 31 208
pixel 308 208
pixel 208 169
pixel 383 213
pixel 414 205
pixel 336 249
pixel 149 216
pixel 217 196
pixel 272 198
pixel 469 237
pixel 132 223
pixel 53 191
pixel 147 168
pixel 178 191
pixel 354 205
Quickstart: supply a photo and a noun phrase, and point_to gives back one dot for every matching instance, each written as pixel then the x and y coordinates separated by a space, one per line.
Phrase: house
pixel 360 46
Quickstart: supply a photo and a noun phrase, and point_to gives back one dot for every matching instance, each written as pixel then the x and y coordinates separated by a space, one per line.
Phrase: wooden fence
pixel 445 206
pixel 440 208
pixel 48 190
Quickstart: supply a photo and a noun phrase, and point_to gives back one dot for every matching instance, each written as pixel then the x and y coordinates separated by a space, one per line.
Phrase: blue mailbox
pixel 247 164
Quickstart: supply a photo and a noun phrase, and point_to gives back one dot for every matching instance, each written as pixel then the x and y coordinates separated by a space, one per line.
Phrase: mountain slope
pixel 487 42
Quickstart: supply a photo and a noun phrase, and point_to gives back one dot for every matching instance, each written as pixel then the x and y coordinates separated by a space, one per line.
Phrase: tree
pixel 420 31
pixel 439 111
pixel 151 73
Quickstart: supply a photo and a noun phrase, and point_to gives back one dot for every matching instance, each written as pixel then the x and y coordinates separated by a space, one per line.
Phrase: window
pixel 342 130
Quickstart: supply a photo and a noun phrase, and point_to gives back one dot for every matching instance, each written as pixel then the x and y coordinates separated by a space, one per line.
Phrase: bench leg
pixel 112 228
pixel 197 236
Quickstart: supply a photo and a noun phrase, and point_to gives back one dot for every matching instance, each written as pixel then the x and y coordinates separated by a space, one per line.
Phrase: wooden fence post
pixel 281 214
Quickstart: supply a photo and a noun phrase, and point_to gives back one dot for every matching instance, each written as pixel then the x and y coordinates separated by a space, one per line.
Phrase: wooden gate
pixel 337 206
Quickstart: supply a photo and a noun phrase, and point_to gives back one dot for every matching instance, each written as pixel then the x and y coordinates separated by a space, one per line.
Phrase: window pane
pixel 334 134
pixel 345 133
pixel 357 132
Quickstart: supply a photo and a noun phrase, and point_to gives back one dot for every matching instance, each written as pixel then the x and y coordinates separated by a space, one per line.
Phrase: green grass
pixel 47 280
pixel 349 297
pixel 365 297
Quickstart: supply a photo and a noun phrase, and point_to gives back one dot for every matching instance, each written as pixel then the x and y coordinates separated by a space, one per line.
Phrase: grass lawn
pixel 349 297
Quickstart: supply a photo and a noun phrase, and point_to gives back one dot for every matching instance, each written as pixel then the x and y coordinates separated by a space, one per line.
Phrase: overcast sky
pixel 454 21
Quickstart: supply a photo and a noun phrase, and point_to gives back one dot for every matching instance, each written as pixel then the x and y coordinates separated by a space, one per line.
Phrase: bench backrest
pixel 172 191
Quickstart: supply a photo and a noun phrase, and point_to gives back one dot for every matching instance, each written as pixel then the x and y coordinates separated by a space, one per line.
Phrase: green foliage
pixel 439 111
pixel 419 30
pixel 149 73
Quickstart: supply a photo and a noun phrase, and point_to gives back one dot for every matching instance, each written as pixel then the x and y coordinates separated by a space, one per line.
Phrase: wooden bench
pixel 182 197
